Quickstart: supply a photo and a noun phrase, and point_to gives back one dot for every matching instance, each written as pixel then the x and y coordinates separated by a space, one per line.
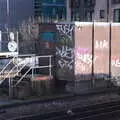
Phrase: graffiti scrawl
pixel 101 44
pixel 66 57
pixel 66 29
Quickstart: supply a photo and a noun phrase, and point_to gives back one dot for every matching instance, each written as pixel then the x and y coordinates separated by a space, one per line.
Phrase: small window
pixel 102 14
pixel 116 15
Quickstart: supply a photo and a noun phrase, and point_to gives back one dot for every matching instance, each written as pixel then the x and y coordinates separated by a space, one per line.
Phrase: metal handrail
pixel 6 66
pixel 48 66
pixel 17 65
pixel 22 77
pixel 21 68
pixel 14 68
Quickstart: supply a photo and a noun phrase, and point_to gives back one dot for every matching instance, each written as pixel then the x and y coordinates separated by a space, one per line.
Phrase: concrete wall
pixel 97 53
pixel 91 50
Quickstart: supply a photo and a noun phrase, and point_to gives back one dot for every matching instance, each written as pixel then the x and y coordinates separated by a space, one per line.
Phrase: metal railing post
pixel 32 69
pixel 17 42
pixel 10 90
pixel 50 66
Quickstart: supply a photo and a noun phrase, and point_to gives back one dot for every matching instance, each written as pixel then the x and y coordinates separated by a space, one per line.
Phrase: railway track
pixel 79 113
pixel 70 107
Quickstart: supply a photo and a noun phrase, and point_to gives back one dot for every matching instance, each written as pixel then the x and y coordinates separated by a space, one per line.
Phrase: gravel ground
pixel 40 108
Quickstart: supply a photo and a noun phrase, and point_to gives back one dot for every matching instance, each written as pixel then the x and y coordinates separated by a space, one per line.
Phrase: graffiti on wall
pixel 84 55
pixel 65 33
pixel 84 59
pixel 115 62
pixel 101 44
pixel 66 57
pixel 65 51
pixel 66 29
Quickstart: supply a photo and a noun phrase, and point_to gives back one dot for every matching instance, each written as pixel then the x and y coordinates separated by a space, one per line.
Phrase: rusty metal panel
pixel 83 49
pixel 115 49
pixel 101 49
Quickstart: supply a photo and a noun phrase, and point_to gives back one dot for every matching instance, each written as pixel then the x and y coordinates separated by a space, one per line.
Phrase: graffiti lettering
pixel 63 63
pixel 83 59
pixel 66 56
pixel 80 67
pixel 65 29
pixel 65 52
pixel 101 44
pixel 115 62
pixel 84 55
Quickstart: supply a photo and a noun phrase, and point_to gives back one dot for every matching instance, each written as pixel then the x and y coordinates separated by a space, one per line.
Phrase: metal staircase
pixel 18 64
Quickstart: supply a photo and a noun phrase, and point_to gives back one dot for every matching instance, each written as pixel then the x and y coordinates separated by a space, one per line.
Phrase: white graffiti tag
pixel 83 60
pixel 65 52
pixel 65 29
pixel 63 63
pixel 101 44
pixel 84 56
pixel 116 63
pixel 66 56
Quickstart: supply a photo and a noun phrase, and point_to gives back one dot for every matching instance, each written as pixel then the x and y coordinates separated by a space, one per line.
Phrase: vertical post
pixel 32 74
pixel 17 50
pixel 7 7
pixel 8 13
pixel 50 66
pixel 10 88
pixel 17 42
pixel 17 64
pixel 33 68
pixel 110 38
pixel 93 32
pixel 0 40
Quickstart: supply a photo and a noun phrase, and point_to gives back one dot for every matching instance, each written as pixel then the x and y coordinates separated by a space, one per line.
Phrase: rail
pixel 14 71
pixel 2 71
pixel 35 67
